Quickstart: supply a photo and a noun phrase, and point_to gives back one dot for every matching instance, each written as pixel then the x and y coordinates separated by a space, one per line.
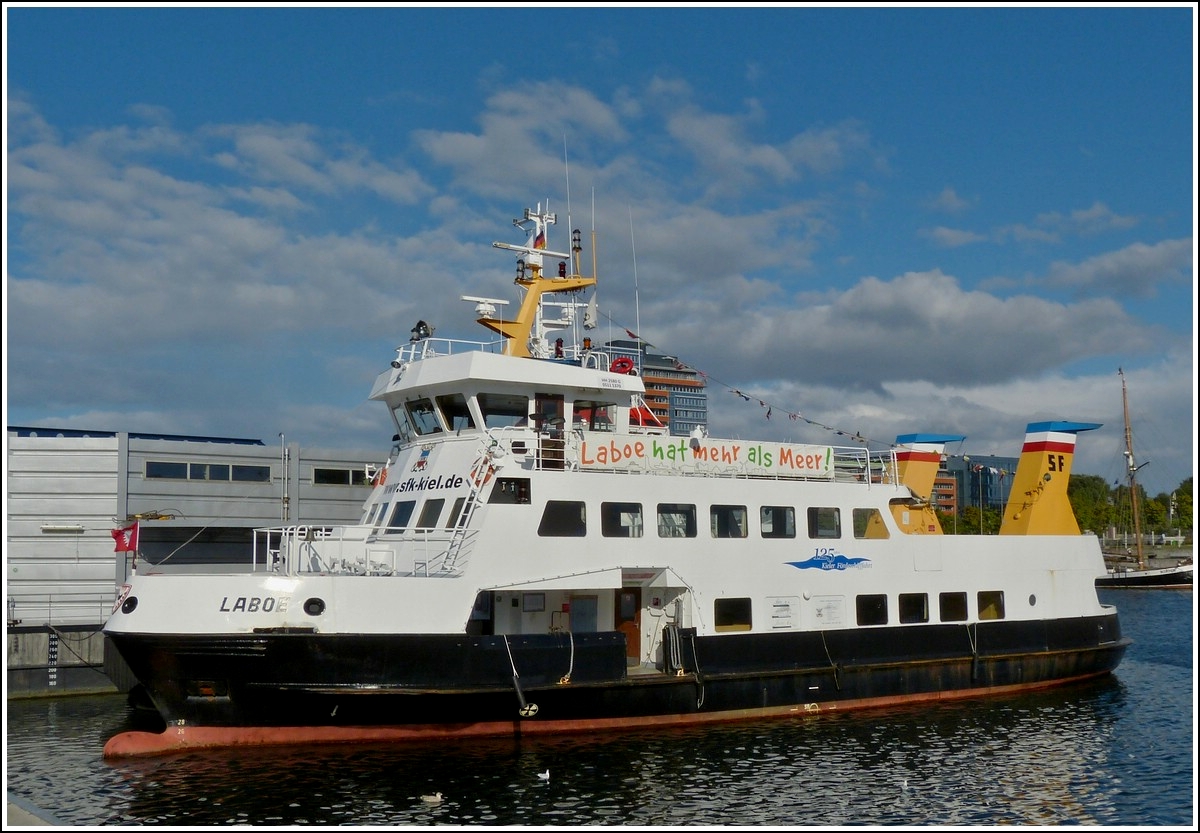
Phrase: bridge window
pixel 404 429
pixel 455 411
pixel 503 410
pixel 423 417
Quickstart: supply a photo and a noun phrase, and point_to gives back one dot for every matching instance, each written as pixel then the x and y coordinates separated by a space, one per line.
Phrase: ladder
pixel 479 477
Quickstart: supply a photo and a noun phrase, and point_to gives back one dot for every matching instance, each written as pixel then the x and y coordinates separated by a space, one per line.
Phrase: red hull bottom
pixel 182 738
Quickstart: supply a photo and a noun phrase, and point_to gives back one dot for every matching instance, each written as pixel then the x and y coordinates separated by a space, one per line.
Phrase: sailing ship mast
pixel 1131 467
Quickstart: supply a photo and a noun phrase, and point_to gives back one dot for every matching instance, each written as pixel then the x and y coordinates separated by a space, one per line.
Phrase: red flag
pixel 126 539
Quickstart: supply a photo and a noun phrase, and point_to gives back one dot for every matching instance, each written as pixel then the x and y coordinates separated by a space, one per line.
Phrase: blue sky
pixel 221 221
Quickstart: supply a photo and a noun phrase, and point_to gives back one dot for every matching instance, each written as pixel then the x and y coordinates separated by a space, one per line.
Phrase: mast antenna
pixel 567 170
pixel 637 307
pixel 1132 467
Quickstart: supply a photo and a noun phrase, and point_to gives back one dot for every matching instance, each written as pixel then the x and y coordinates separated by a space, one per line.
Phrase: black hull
pixel 466 685
pixel 1179 577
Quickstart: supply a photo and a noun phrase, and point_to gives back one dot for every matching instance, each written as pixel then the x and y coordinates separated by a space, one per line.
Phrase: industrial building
pixel 195 500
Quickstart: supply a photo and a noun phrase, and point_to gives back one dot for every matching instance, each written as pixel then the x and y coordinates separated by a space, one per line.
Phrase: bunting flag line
pixel 794 416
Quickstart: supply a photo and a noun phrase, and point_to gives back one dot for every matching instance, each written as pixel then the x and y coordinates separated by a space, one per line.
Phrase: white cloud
pixel 949 238
pixel 1137 271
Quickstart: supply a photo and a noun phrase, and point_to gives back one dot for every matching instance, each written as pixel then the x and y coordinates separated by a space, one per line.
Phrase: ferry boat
pixel 540 554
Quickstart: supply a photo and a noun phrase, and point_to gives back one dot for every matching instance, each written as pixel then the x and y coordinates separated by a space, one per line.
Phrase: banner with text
pixel 711 456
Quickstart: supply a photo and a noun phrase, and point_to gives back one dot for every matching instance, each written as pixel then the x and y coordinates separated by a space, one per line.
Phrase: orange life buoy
pixel 622 365
pixel 482 473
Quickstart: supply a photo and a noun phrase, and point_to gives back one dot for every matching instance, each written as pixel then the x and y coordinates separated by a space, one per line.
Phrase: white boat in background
pixel 1144 575
pixel 537 556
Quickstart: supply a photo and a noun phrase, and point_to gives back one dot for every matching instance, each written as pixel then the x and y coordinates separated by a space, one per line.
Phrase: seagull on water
pixel 544 776
pixel 436 798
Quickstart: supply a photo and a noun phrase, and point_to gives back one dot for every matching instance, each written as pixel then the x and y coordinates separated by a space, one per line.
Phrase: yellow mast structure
pixel 532 278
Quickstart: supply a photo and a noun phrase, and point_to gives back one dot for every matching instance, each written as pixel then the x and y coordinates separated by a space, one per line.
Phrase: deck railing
pixel 84 608
pixel 359 550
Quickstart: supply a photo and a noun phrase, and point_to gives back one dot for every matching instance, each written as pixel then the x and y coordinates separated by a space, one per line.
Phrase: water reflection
pixel 1117 751
pixel 1033 759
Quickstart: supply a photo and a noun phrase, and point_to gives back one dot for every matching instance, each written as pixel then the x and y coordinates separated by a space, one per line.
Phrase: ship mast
pixel 1131 468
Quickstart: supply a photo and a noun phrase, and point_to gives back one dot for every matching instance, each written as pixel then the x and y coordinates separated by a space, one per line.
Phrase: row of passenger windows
pixel 619 519
pixel 736 614
pixel 568 519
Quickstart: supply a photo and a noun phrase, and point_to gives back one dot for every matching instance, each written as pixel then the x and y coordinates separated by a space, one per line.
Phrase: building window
pixel 824 522
pixel 991 604
pixel 563 519
pixel 727 521
pixel 208 471
pixel 872 609
pixel 731 615
pixel 252 474
pixel 777 522
pixel 914 608
pixel 621 520
pixel 339 477
pixel 166 471
pixel 676 520
pixel 953 607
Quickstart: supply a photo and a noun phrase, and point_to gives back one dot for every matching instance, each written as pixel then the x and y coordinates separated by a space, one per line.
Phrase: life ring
pixel 482 473
pixel 622 365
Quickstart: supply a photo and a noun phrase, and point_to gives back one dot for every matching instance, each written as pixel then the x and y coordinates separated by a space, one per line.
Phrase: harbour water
pixel 1116 752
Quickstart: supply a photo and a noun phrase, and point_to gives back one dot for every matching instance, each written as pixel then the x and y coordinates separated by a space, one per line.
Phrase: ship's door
pixel 550 422
pixel 627 612
pixel 583 614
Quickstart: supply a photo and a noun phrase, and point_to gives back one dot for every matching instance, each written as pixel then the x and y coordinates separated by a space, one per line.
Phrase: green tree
pixel 1092 502
pixel 1181 516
